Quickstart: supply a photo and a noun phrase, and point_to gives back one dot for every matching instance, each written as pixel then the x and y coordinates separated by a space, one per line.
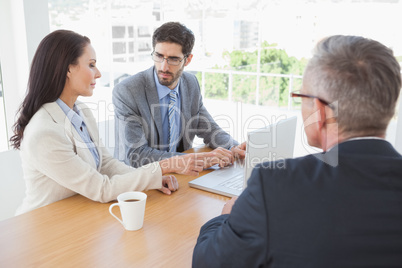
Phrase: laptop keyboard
pixel 233 183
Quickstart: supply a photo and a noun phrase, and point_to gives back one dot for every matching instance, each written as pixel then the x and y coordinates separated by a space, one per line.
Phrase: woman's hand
pixel 169 184
pixel 187 164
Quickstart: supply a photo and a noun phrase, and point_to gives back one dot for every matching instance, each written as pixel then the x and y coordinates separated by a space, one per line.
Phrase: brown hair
pixel 174 32
pixel 48 75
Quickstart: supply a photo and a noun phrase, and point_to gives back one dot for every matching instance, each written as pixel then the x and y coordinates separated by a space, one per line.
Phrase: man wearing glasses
pixel 159 111
pixel 338 208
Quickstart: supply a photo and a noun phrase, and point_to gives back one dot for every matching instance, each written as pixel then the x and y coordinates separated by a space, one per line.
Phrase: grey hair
pixel 361 77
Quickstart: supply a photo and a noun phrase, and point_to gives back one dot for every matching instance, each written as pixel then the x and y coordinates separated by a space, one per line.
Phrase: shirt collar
pixel 358 138
pixel 365 138
pixel 164 90
pixel 72 115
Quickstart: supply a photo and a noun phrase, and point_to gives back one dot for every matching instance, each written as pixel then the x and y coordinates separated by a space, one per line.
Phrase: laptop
pixel 273 142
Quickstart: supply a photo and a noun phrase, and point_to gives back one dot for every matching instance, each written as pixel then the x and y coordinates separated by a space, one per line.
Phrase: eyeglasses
pixel 297 97
pixel 156 57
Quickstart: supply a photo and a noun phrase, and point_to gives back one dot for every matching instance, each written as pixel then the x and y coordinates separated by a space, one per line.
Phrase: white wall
pixel 13 55
pixel 12 185
pixel 36 24
pixel 23 23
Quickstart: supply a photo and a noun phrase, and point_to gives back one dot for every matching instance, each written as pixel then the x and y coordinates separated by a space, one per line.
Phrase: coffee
pixel 132 200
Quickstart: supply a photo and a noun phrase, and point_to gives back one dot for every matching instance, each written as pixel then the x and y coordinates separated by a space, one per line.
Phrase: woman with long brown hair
pixel 58 137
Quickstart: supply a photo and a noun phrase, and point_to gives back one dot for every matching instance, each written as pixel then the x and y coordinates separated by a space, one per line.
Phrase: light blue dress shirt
pixel 163 93
pixel 76 120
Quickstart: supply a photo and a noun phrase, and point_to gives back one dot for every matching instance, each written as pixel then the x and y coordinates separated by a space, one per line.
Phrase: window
pixel 118 32
pixel 3 124
pixel 248 55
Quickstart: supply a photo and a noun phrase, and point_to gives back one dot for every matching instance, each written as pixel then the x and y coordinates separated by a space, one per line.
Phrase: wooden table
pixel 78 232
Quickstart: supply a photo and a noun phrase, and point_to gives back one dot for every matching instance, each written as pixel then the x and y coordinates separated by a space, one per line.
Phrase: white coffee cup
pixel 132 208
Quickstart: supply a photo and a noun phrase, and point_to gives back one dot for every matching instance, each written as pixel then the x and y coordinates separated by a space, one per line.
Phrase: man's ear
pixel 188 59
pixel 320 107
pixel 323 122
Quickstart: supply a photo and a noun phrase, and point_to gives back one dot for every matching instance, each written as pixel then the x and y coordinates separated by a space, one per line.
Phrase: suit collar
pixel 185 99
pixel 57 114
pixel 368 146
pixel 72 114
pixel 152 97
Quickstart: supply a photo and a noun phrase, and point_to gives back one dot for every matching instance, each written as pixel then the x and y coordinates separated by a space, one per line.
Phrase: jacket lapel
pixel 152 97
pixel 185 99
pixel 80 147
pixel 92 127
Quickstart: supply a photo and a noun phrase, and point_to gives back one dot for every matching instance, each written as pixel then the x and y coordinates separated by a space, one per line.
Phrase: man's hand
pixel 169 184
pixel 239 151
pixel 227 208
pixel 219 156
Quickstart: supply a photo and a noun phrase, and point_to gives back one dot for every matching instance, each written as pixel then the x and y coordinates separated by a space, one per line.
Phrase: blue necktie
pixel 172 121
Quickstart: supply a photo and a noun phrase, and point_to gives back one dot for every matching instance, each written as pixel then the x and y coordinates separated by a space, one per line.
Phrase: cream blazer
pixel 57 163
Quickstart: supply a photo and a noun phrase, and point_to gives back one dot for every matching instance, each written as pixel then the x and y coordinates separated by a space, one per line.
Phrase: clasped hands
pixel 223 157
pixel 193 163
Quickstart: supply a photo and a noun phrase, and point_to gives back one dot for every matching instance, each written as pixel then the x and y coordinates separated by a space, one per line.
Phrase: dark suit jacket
pixel 342 208
pixel 138 120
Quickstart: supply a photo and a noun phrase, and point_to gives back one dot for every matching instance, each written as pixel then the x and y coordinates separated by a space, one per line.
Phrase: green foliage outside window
pixel 273 90
pixel 244 88
pixel 216 86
